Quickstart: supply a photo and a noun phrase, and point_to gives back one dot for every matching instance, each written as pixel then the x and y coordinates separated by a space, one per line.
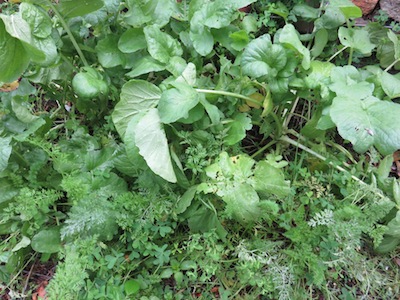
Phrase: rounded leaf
pixel 47 241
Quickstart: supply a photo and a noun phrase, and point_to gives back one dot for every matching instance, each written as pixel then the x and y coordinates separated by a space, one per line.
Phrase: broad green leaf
pixel 394 226
pixel 269 179
pixel 132 40
pixel 216 14
pixel 25 242
pixel 131 287
pixel 388 244
pixel 203 41
pixel 368 122
pixel 391 85
pixel 212 111
pixel 305 11
pixel 194 115
pixel 145 65
pixel 77 8
pixel 176 103
pixel 237 130
pixel 331 19
pixel 320 41
pixel 18 28
pixel 386 54
pixel 148 12
pixel 7 189
pixel 290 37
pixel 21 108
pixel 205 220
pixel 396 43
pixel 242 203
pixel 13 57
pixel 348 82
pixel 89 83
pixel 132 151
pixel 136 96
pixel 348 8
pixel 249 24
pixel 47 241
pixel 320 74
pixel 161 45
pixel 257 58
pixel 153 145
pixel 108 53
pixel 39 21
pixel 240 39
pixel 356 38
pixel 5 152
pixel 188 75
pixel 48 47
pixel 186 199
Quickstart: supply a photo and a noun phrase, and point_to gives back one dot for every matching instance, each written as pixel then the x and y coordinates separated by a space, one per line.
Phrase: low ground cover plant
pixel 198 150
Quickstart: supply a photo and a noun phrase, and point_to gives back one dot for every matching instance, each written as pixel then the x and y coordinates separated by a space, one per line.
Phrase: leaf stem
pixel 350 56
pixel 392 65
pixel 337 53
pixel 323 158
pixel 69 33
pixel 224 93
pixel 261 150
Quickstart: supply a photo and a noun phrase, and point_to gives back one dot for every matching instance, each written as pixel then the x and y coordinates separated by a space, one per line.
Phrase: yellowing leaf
pixel 8 87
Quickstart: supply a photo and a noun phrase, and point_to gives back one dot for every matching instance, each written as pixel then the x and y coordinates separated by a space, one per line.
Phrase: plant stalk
pixel 224 93
pixel 69 33
pixel 339 168
pixel 392 65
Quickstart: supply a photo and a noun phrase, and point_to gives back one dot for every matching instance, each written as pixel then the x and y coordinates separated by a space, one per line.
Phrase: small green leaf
pixel 161 45
pixel 237 130
pixel 166 273
pixel 77 8
pixel 153 145
pixel 47 241
pixel 240 39
pixel 176 103
pixel 131 287
pixel 188 265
